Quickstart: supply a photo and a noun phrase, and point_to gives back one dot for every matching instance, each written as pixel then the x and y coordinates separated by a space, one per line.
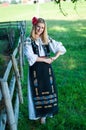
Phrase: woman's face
pixel 40 28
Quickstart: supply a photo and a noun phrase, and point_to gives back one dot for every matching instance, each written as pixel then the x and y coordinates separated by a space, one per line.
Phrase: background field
pixel 69 69
pixel 48 11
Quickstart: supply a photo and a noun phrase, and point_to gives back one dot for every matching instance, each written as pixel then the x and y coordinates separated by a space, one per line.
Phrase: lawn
pixel 69 69
pixel 17 12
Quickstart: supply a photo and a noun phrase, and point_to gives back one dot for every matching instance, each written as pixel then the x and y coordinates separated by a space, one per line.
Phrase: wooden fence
pixel 10 87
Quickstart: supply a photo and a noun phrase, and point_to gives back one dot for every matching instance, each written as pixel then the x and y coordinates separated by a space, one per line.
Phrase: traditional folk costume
pixel 42 93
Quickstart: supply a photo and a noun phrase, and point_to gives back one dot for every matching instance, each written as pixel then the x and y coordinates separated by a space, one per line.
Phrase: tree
pixel 59 3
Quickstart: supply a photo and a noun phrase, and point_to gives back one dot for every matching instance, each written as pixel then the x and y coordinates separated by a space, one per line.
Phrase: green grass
pixel 70 72
pixel 17 12
pixel 69 69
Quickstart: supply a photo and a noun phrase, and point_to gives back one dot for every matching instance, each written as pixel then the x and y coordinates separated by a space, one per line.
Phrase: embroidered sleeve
pixel 56 46
pixel 28 52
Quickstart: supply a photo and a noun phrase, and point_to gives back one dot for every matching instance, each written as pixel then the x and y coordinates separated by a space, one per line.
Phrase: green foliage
pixel 58 1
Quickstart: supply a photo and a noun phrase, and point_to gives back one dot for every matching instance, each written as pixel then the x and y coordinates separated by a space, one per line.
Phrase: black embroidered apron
pixel 43 88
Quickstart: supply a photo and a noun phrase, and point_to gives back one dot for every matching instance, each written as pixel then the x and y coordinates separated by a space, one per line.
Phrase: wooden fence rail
pixel 11 89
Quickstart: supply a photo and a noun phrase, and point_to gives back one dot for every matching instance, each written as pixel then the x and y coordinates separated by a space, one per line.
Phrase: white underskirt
pixel 31 110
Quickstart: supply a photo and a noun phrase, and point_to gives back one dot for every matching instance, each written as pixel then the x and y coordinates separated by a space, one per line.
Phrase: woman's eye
pixel 40 27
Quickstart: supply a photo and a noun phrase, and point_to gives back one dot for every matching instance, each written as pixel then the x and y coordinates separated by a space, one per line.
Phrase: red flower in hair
pixel 34 20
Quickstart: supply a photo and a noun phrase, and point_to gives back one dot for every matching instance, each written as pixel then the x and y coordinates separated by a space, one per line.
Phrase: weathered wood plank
pixel 2 105
pixel 16 71
pixel 8 104
pixel 6 74
pixel 20 60
pixel 15 52
pixel 11 90
pixel 8 92
pixel 3 118
pixel 12 24
pixel 12 86
pixel 16 108
pixel 0 94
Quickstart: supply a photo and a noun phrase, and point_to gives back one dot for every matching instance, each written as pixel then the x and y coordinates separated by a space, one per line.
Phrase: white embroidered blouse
pixel 53 45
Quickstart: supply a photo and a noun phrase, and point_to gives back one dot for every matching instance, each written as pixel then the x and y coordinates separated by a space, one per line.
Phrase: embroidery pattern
pixel 46 101
pixel 51 80
pixel 35 82
pixel 36 51
pixel 47 98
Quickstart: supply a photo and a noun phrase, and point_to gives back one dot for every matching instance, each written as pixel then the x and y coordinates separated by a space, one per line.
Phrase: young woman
pixel 42 92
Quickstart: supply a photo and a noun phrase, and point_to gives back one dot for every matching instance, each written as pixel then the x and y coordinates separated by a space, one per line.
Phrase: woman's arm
pixel 56 56
pixel 57 47
pixel 50 59
pixel 44 59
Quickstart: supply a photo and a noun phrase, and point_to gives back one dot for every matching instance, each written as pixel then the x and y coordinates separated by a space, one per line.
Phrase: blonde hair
pixel 44 35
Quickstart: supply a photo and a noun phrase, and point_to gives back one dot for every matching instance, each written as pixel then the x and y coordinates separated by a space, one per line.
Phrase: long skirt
pixel 42 90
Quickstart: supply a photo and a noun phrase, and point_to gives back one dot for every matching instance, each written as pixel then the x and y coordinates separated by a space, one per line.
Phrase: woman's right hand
pixel 44 59
pixel 48 60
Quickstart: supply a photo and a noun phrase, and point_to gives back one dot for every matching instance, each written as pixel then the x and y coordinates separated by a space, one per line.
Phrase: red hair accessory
pixel 34 20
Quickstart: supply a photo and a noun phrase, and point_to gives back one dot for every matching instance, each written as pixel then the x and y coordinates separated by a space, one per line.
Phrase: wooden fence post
pixel 22 37
pixel 16 108
pixel 7 85
pixel 8 104
pixel 20 60
pixel 16 71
